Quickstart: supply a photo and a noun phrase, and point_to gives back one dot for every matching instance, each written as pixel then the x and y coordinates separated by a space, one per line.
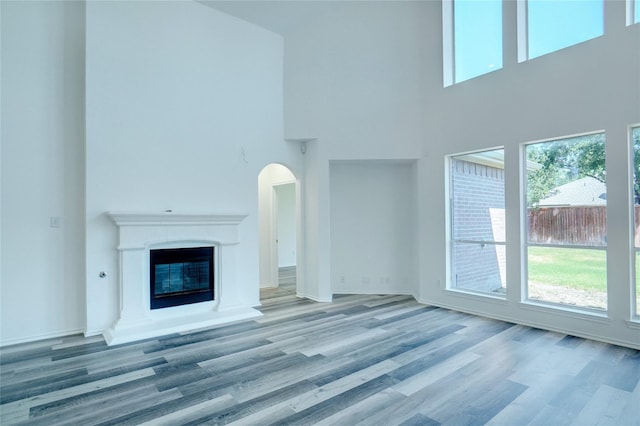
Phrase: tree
pixel 564 161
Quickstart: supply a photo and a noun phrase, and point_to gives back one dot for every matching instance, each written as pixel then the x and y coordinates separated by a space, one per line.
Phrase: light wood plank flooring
pixel 365 359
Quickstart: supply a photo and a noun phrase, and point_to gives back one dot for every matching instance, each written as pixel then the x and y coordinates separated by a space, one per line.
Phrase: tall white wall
pixel 355 79
pixel 184 108
pixel 42 267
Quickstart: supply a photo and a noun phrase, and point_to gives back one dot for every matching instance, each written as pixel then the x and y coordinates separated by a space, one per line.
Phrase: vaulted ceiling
pixel 277 16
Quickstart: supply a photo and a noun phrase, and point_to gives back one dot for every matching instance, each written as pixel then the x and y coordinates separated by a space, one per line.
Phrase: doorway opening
pixel 279 212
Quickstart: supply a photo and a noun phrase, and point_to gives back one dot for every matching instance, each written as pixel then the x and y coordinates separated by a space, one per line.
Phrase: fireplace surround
pixel 140 235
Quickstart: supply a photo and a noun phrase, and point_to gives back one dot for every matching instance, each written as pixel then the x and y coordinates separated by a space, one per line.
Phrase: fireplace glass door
pixel 181 276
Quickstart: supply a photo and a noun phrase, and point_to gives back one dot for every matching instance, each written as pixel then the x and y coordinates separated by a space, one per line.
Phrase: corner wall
pixel 42 269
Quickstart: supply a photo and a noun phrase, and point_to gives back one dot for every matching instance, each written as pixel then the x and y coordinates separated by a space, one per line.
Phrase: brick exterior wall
pixel 478 214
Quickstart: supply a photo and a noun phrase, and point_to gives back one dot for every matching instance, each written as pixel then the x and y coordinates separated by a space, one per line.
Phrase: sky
pixel 552 25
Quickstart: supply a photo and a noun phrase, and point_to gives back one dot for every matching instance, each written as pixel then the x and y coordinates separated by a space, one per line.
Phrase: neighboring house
pixel 587 191
pixel 575 213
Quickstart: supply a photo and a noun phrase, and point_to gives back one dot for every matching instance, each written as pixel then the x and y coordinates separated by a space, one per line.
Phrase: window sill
pixel 634 323
pixel 601 317
pixel 467 294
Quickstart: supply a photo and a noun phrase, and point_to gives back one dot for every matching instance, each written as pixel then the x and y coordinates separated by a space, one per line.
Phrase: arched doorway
pixel 279 218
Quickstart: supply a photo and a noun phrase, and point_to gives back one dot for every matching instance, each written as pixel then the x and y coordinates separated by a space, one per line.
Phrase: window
pixel 555 24
pixel 477 256
pixel 635 137
pixel 473 32
pixel 633 12
pixel 566 222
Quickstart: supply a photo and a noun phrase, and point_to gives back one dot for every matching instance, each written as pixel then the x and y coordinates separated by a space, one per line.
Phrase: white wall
pixel 42 268
pixel 184 108
pixel 286 224
pixel 355 79
pixel 373 239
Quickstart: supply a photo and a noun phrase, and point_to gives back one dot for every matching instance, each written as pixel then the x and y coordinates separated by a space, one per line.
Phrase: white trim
pixel 477 295
pixel 596 315
pixel 44 336
pixel 170 218
pixel 514 320
pixel 633 324
pixel 523 30
pixel 448 52
pixel 631 9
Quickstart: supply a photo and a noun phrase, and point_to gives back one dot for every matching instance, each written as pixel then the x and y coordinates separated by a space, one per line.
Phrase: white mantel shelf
pixel 174 218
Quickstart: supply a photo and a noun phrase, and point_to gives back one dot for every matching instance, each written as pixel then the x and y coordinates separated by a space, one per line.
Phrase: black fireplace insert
pixel 181 276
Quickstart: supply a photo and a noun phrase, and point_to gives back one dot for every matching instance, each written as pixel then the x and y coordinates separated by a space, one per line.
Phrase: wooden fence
pixel 568 225
pixel 573 225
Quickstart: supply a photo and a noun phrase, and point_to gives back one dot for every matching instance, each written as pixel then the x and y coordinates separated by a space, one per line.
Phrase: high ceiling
pixel 278 16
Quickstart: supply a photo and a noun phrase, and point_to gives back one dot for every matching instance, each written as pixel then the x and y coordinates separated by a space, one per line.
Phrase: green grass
pixel 575 268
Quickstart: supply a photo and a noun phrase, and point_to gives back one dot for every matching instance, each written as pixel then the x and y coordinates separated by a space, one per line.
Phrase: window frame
pixel 634 249
pixel 525 299
pixel 523 42
pixel 450 231
pixel 633 7
pixel 449 47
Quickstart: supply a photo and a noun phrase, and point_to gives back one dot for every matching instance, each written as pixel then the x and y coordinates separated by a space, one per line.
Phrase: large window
pixel 473 38
pixel 477 250
pixel 566 217
pixel 555 24
pixel 635 137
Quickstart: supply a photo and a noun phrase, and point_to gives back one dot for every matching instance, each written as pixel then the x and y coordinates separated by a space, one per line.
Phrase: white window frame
pixel 451 266
pixel 525 300
pixel 523 29
pixel 631 11
pixel 633 249
pixel 448 44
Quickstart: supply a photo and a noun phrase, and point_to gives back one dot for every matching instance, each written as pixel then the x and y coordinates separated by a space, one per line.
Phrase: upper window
pixel 555 24
pixel 473 38
pixel 635 5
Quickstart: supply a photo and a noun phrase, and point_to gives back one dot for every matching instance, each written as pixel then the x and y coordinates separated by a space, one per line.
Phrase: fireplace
pixel 181 276
pixel 193 259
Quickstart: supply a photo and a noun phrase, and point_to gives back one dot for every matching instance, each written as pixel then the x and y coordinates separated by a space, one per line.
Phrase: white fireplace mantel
pixel 140 232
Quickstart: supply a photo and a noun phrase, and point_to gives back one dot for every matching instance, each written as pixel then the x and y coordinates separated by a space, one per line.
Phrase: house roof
pixel 587 191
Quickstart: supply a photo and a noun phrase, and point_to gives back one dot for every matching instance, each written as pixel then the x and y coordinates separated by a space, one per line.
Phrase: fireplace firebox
pixel 181 276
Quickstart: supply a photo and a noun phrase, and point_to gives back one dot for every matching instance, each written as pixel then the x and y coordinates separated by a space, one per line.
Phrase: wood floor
pixel 369 360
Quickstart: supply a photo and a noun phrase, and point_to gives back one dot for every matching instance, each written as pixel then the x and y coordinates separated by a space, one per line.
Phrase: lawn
pixel 582 269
